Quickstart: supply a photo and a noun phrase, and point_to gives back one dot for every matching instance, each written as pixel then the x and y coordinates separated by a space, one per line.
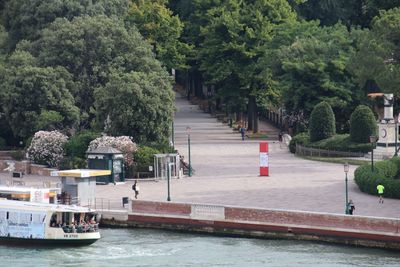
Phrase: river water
pixel 138 247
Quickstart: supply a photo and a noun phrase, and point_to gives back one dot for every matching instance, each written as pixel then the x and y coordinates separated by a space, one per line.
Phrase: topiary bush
pixel 368 180
pixel 301 139
pixel 144 157
pixel 387 168
pixel 396 160
pixel 47 148
pixel 322 122
pixel 362 124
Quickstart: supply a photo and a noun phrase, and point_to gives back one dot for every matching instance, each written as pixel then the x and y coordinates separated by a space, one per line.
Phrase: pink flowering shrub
pixel 47 148
pixel 122 143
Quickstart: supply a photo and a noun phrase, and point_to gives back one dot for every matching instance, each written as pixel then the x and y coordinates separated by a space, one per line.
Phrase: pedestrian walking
pixel 242 132
pixel 135 187
pixel 351 207
pixel 380 189
pixel 280 138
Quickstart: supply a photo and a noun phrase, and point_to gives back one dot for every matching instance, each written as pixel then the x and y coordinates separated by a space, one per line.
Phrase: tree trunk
pixel 255 130
pixel 251 113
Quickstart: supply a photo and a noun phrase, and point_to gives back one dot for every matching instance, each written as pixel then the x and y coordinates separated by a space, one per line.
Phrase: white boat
pixel 23 222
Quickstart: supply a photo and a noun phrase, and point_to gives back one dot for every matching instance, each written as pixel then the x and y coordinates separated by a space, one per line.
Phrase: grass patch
pixel 257 136
pixel 338 160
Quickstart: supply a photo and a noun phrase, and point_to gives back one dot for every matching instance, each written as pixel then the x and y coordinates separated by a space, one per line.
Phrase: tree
pixel 315 68
pixel 36 98
pixel 378 53
pixel 137 104
pixel 322 122
pixel 47 148
pixel 232 46
pixel 373 7
pixel 26 19
pixel 362 124
pixel 331 12
pixel 161 29
pixel 91 48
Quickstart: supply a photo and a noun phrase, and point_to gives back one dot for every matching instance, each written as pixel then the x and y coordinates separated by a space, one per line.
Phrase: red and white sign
pixel 264 161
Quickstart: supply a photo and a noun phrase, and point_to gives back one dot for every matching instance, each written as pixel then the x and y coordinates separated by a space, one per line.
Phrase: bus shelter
pixel 164 163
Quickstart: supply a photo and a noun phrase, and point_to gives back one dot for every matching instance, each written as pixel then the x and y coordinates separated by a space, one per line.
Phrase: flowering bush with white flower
pixel 47 148
pixel 122 143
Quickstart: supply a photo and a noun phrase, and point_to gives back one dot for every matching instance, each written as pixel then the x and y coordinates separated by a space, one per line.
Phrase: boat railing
pixel 81 228
pixel 68 200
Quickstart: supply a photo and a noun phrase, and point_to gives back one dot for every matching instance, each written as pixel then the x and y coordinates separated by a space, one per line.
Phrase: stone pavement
pixel 227 168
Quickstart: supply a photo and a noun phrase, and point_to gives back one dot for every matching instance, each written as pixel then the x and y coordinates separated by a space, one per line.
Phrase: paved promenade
pixel 227 168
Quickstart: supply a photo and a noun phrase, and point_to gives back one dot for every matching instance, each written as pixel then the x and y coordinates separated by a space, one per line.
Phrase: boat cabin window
pixel 70 222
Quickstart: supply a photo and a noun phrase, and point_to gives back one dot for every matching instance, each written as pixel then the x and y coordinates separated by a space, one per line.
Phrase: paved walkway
pixel 227 168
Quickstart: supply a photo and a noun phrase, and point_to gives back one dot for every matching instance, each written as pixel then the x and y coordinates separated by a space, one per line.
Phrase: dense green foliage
pixel 125 95
pixel 36 98
pixel 75 150
pixel 3 143
pixel 377 53
pixel 94 64
pixel 161 29
pixel 322 122
pixel 144 157
pixel 55 55
pixel 341 142
pixel 362 124
pixel 385 172
pixel 78 144
pixel 301 139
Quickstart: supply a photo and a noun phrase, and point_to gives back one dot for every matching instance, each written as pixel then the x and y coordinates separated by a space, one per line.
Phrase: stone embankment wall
pixel 250 222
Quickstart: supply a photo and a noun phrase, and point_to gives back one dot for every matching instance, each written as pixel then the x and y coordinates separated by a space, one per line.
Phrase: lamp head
pixel 346 167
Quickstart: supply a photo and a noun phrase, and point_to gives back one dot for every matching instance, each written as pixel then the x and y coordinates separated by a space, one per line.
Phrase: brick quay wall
pixel 260 223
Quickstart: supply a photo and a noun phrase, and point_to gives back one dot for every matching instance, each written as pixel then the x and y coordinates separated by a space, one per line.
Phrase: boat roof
pixel 32 206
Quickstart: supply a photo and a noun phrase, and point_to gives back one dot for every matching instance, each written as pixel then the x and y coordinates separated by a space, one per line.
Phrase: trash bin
pixel 125 200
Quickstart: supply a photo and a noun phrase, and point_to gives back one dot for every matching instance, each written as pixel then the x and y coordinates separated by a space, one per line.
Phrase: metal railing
pixel 316 152
pixel 101 204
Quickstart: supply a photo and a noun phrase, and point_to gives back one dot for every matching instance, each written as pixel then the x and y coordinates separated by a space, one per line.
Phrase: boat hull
pixel 13 241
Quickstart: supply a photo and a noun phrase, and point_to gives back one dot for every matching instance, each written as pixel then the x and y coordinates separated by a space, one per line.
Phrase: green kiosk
pixel 107 158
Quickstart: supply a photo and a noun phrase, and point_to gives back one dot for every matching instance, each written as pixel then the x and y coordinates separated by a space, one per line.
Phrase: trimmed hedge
pixel 385 173
pixel 301 139
pixel 339 142
pixel 322 122
pixel 362 124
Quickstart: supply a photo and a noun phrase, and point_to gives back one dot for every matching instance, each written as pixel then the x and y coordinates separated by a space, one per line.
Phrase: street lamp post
pixel 173 137
pixel 188 129
pixel 346 170
pixel 169 180
pixel 396 128
pixel 372 140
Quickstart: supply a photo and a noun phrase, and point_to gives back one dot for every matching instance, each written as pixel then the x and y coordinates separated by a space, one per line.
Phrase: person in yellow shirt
pixel 380 189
